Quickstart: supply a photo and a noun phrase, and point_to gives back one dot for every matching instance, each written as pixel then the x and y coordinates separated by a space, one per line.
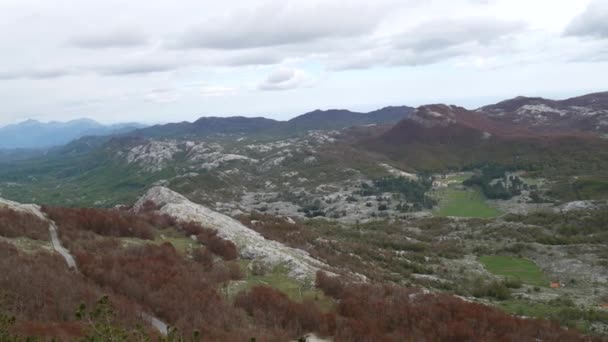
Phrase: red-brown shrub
pixel 43 294
pixel 16 224
pixel 390 313
pixel 106 222
pixel 272 308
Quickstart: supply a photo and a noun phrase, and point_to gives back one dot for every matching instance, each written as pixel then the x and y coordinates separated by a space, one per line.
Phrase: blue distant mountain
pixel 32 134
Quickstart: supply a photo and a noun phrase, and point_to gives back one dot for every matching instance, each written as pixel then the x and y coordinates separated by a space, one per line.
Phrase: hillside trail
pixel 159 325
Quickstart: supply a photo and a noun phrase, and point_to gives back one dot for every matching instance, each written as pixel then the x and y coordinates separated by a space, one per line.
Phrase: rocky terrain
pixel 250 243
pixel 585 113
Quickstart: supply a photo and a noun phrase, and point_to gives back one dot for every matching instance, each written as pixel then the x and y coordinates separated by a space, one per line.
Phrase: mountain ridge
pixel 586 113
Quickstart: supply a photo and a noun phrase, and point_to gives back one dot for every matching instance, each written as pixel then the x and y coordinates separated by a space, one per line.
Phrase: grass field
pixel 464 203
pixel 524 269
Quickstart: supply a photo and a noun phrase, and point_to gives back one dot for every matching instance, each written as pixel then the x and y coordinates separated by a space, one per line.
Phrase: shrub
pixel 16 224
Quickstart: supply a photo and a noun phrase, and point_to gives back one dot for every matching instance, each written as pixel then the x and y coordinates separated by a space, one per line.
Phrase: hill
pixel 586 113
pixel 316 120
pixel 440 136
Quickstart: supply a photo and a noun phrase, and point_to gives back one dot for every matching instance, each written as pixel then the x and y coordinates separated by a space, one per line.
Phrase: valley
pixel 442 209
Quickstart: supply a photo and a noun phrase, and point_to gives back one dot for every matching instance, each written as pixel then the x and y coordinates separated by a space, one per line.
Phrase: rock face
pixel 251 244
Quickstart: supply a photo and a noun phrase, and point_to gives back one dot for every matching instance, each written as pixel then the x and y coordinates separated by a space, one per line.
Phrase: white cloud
pixel 592 23
pixel 217 91
pixel 117 38
pixel 283 23
pixel 286 78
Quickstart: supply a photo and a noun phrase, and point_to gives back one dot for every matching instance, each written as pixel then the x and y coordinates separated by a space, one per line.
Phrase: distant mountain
pixel 316 120
pixel 33 134
pixel 338 119
pixel 443 136
pixel 206 126
pixel 586 113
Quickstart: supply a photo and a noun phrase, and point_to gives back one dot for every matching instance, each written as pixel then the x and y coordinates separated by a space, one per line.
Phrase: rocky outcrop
pixel 251 244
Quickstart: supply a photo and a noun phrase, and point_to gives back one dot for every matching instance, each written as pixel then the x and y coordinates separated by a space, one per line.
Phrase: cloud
pixel 593 22
pixel 217 91
pixel 136 68
pixel 162 95
pixel 282 23
pixel 285 78
pixel 35 74
pixel 113 39
pixel 430 42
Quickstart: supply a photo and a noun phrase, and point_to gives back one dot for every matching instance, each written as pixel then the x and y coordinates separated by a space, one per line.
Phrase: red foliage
pixel 43 294
pixel 173 288
pixel 203 256
pixel 106 222
pixel 15 224
pixel 224 248
pixel 271 308
pixel 390 313
pixel 59 331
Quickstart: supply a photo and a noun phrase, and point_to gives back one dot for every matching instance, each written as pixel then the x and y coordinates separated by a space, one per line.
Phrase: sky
pixel 160 61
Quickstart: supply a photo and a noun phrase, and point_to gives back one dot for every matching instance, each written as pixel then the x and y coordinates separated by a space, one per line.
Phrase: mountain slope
pixel 35 134
pixel 585 113
pixel 440 136
pixel 338 119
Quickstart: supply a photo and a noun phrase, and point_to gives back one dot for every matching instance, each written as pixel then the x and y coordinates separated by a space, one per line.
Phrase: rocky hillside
pixel 250 243
pixel 439 136
pixel 585 113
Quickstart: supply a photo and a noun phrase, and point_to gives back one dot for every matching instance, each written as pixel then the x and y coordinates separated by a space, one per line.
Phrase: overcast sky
pixel 163 61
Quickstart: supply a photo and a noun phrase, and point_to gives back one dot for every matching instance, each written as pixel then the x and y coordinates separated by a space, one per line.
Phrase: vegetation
pixel 565 228
pixel 515 268
pixel 15 224
pixel 377 313
pixel 464 203
pixel 412 191
pixel 495 184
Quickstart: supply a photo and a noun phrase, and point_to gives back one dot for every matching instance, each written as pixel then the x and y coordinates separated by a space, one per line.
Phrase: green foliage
pixel 464 203
pixel 6 322
pixel 573 227
pixel 495 289
pixel 102 325
pixel 495 184
pixel 582 188
pixel 515 269
pixel 412 191
pixel 562 310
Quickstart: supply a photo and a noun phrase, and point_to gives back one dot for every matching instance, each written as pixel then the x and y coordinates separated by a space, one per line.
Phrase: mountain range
pixel 33 134
pixel 315 120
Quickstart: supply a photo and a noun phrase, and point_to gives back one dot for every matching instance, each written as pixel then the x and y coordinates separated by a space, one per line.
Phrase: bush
pixel 20 224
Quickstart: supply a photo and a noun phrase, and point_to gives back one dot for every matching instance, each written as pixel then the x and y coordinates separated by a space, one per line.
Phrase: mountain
pixel 206 126
pixel 585 113
pixel 338 119
pixel 35 134
pixel 317 120
pixel 443 136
